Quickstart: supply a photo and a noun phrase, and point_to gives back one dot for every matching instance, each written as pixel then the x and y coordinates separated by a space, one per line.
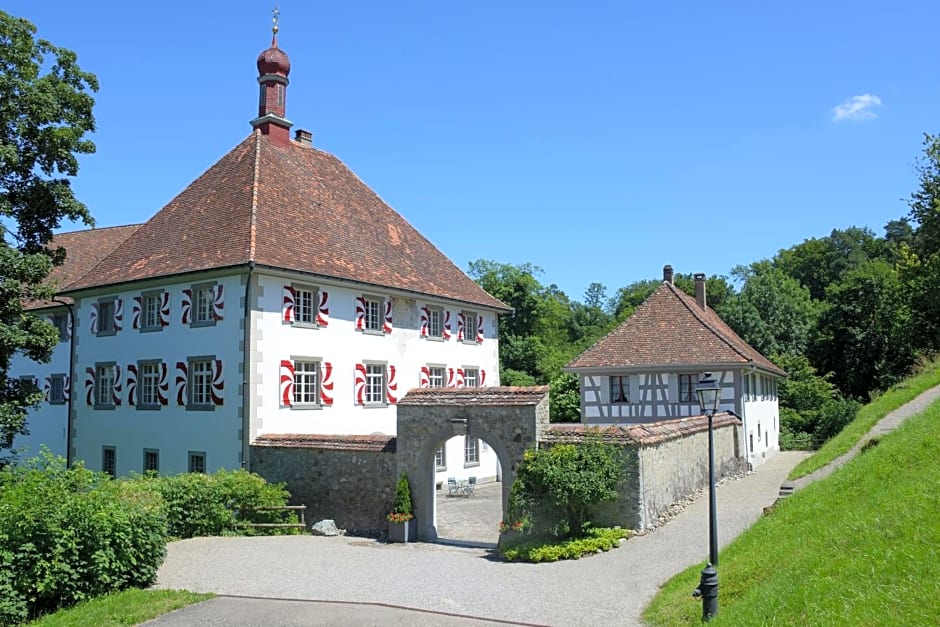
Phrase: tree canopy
pixel 45 114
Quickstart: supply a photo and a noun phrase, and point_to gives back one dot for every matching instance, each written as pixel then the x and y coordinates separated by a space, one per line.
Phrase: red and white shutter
pixel 323 310
pixel 132 384
pixel 360 384
pixel 460 326
pixel 93 317
pixel 391 392
pixel 451 381
pixel 446 327
pixel 288 308
pixel 163 389
pixel 116 386
pixel 425 321
pixel 182 376
pixel 89 386
pixel 186 307
pixel 118 314
pixel 218 304
pixel 387 326
pixel 135 313
pixel 218 381
pixel 360 313
pixel 482 378
pixel 460 378
pixel 326 384
pixel 165 309
pixel 479 329
pixel 287 382
pixel 424 378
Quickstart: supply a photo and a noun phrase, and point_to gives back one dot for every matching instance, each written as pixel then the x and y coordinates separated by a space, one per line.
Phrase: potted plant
pixel 401 527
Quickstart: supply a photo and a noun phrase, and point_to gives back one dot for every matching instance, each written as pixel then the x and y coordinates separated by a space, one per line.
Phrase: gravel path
pixel 883 426
pixel 463 584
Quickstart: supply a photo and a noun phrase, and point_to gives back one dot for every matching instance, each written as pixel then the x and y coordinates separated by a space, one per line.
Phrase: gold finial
pixel 277 14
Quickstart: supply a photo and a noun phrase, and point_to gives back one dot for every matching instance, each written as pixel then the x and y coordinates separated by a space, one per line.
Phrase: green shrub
pixel 556 489
pixel 596 539
pixel 69 534
pixel 211 505
pixel 403 509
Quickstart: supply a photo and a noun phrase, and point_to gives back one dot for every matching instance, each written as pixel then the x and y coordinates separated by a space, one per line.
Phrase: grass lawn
pixel 129 607
pixel 868 416
pixel 859 548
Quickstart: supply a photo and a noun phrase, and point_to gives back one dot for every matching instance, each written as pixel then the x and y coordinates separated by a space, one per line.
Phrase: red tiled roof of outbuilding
pixel 671 329
pixel 291 207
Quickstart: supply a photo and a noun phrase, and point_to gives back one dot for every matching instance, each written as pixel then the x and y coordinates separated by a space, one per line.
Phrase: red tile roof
pixel 292 207
pixel 374 443
pixel 644 434
pixel 500 396
pixel 84 250
pixel 670 329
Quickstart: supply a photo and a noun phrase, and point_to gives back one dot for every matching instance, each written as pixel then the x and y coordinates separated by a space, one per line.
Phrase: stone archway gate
pixel 509 419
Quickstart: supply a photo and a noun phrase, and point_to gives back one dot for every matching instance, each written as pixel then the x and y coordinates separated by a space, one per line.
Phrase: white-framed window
pixel 148 385
pixel 197 461
pixel 200 383
pixel 203 303
pixel 619 389
pixel 104 385
pixel 436 376
pixel 306 382
pixel 469 327
pixel 375 384
pixel 687 385
pixel 106 308
pixel 151 460
pixel 61 323
pixel 373 316
pixel 440 458
pixel 471 377
pixel 150 305
pixel 305 304
pixel 109 460
pixel 471 451
pixel 57 389
pixel 436 323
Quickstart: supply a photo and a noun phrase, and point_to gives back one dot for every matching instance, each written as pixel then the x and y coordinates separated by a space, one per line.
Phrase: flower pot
pixel 402 532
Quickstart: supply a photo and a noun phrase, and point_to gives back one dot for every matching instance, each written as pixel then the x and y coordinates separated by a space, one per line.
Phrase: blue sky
pixel 598 140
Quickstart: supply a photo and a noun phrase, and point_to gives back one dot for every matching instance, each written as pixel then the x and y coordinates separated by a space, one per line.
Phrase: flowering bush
pixel 518 525
pixel 398 517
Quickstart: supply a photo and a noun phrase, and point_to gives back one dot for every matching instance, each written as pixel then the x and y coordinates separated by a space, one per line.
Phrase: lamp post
pixel 709 396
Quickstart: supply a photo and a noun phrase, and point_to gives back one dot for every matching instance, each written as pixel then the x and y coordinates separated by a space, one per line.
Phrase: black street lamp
pixel 709 397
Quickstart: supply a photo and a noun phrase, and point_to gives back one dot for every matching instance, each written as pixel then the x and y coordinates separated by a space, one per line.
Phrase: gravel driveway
pixel 610 588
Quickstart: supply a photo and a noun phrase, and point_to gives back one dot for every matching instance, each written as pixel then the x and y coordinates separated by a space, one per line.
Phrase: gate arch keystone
pixel 509 419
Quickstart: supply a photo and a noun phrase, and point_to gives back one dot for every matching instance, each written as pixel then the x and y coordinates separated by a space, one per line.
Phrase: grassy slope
pixel 860 548
pixel 129 607
pixel 867 418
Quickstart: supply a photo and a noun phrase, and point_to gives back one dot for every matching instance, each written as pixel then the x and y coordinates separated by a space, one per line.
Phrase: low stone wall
pixel 664 462
pixel 349 479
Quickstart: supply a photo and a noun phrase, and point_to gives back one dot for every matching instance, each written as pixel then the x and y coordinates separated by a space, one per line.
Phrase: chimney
pixel 700 289
pixel 667 274
pixel 303 137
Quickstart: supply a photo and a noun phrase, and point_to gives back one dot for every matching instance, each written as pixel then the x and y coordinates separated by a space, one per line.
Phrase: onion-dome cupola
pixel 273 68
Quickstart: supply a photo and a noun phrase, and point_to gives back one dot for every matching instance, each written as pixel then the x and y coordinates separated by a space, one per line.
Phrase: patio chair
pixel 452 489
pixel 470 486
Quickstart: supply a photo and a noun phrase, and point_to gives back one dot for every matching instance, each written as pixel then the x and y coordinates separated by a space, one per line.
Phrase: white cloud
pixel 857 108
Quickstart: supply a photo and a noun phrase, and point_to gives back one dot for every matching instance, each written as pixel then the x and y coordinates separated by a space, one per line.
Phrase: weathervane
pixel 277 14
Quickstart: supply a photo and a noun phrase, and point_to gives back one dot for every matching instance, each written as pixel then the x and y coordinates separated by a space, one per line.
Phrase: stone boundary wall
pixel 349 479
pixel 664 462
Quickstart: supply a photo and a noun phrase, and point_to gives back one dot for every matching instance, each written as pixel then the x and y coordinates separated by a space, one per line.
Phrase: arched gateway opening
pixel 509 419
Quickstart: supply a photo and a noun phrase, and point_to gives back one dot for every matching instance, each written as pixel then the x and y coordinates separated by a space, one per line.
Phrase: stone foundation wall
pixel 355 488
pixel 671 470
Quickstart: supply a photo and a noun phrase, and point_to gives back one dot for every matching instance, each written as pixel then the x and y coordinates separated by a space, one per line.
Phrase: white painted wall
pixel 761 430
pixel 48 423
pixel 172 429
pixel 341 345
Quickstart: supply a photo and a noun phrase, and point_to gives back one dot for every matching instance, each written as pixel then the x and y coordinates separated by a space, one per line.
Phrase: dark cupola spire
pixel 273 68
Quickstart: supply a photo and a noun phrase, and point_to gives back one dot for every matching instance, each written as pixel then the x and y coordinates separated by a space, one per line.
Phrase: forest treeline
pixel 846 315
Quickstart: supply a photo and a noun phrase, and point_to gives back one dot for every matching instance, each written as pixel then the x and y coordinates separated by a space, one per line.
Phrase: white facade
pixel 636 398
pixel 159 371
pixel 48 423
